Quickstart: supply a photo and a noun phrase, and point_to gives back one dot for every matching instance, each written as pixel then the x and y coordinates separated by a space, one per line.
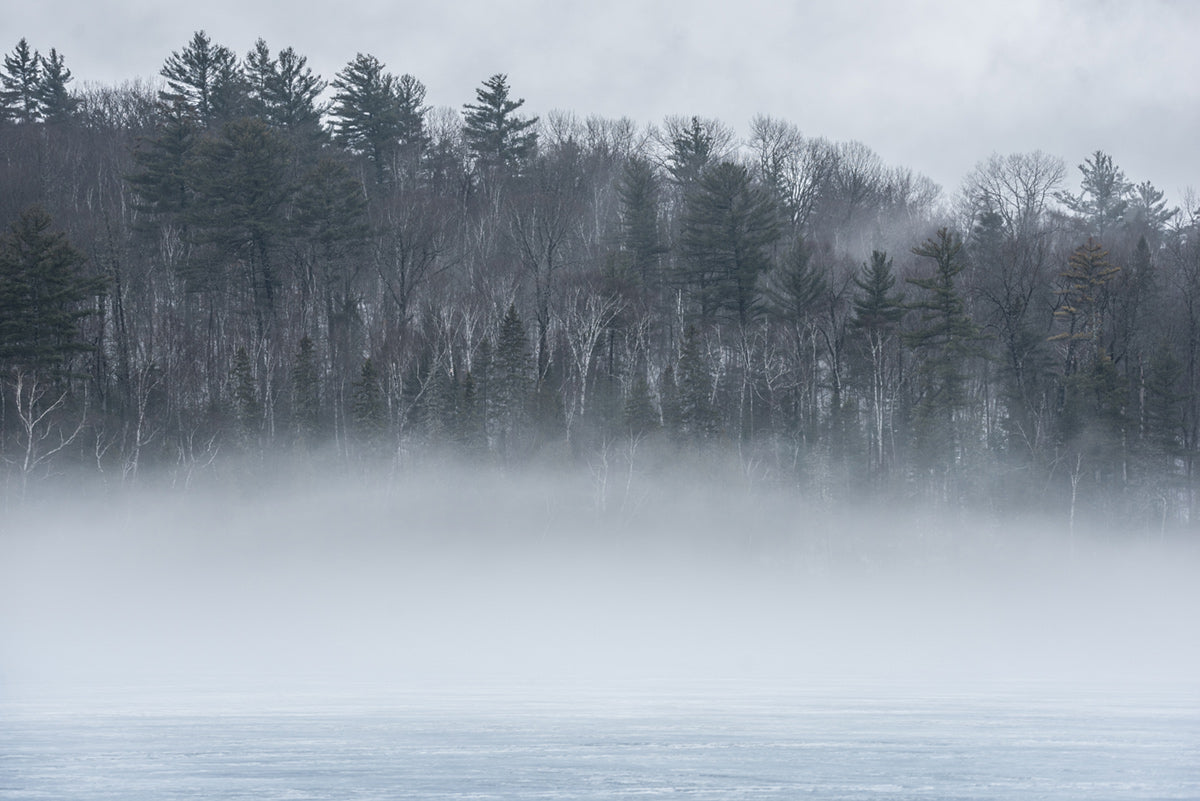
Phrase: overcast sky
pixel 935 85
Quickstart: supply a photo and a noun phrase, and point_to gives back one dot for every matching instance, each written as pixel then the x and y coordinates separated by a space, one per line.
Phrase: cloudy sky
pixel 935 85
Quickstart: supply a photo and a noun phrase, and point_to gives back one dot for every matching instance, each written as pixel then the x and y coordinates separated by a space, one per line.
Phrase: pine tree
pixel 512 382
pixel 379 116
pixel 242 187
pixel 728 229
pixel 43 295
pixel 640 416
pixel 697 417
pixel 205 79
pixel 21 79
pixel 57 104
pixel 368 414
pixel 1104 196
pixel 944 338
pixel 499 140
pixel 691 154
pixel 1084 301
pixel 285 92
pixel 247 409
pixel 640 230
pixel 877 316
pixel 306 399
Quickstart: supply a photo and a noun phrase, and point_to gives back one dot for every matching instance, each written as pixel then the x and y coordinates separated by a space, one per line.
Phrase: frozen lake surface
pixel 843 744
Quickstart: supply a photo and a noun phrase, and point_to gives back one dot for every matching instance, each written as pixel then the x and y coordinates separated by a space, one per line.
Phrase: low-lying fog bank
pixel 462 580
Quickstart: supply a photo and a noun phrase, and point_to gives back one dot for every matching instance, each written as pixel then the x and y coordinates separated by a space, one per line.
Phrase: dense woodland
pixel 240 260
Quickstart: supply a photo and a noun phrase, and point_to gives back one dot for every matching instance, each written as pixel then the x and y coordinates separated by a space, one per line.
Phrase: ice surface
pixel 835 744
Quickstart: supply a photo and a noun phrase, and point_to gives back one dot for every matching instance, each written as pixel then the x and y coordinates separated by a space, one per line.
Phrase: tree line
pixel 242 258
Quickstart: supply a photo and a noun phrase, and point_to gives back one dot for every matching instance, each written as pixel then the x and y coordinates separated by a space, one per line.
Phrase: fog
pixel 476 581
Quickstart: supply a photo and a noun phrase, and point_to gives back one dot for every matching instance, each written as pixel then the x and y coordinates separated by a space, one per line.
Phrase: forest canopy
pixel 242 258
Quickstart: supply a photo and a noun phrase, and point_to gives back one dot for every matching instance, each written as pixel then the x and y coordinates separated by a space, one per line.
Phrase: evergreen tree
pixel 796 287
pixel 877 316
pixel 285 91
pixel 242 186
pixel 640 416
pixel 162 182
pixel 641 235
pixel 56 103
pixel 368 413
pixel 43 295
pixel 728 230
pixel 1104 195
pixel 306 399
pixel 379 116
pixel 512 382
pixel 205 79
pixel 668 393
pixel 691 153
pixel 21 79
pixel 471 435
pixel 498 139
pixel 1083 304
pixel 944 338
pixel 697 417
pixel 247 409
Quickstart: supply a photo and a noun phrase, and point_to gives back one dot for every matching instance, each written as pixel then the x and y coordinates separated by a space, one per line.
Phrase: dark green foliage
pixel 691 153
pixel 1104 197
pixel 697 417
pixel 668 393
pixel 285 92
pixel 640 229
pixel 640 416
pixel 368 410
pixel 379 116
pixel 306 397
pixel 241 181
pixel 512 381
pixel 498 139
pixel 43 295
pixel 944 338
pixel 728 229
pixel 1166 423
pixel 56 102
pixel 162 182
pixel 796 287
pixel 876 309
pixel 21 95
pixel 205 79
pixel 470 432
pixel 247 409
pixel 1081 311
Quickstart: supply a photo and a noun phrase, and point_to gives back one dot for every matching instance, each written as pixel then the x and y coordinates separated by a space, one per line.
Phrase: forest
pixel 240 261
